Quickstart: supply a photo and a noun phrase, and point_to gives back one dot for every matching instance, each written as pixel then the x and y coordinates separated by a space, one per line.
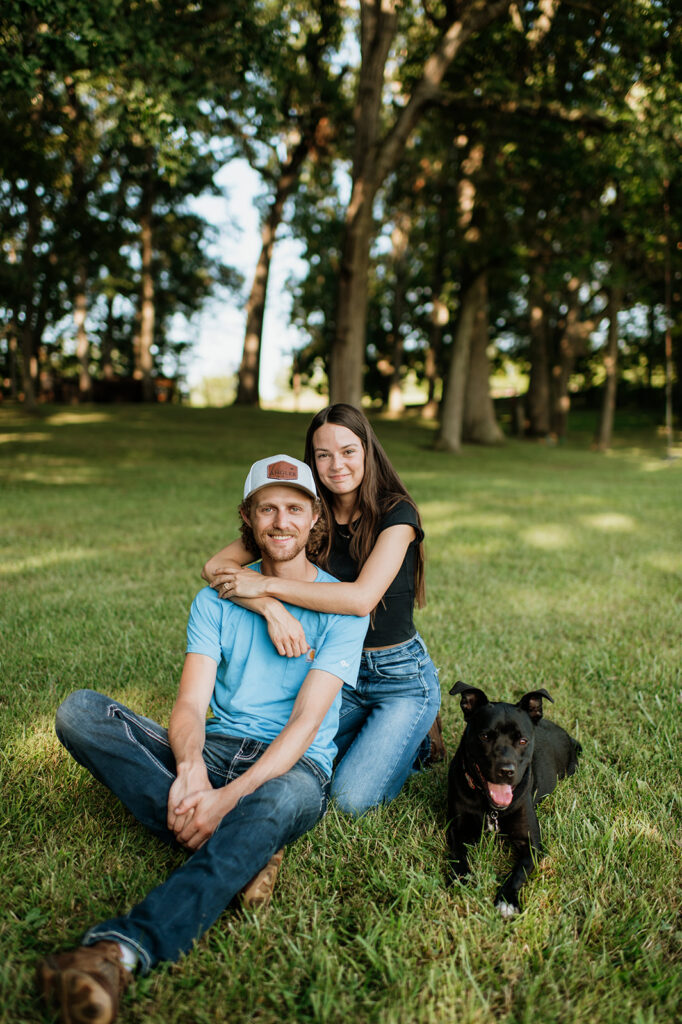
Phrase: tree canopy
pixel 474 184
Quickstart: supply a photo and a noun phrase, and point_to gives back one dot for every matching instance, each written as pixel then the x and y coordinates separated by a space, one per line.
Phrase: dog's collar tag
pixel 492 823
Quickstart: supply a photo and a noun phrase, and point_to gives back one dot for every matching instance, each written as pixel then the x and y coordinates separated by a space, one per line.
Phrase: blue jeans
pixel 131 755
pixel 382 724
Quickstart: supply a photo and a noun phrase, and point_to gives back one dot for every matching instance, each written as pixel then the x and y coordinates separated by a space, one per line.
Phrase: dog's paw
pixel 507 910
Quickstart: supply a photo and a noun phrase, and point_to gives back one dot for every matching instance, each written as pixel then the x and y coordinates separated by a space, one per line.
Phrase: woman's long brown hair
pixel 380 491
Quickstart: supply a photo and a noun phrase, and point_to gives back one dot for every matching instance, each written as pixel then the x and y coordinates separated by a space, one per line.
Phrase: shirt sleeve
pixel 401 513
pixel 205 625
pixel 341 649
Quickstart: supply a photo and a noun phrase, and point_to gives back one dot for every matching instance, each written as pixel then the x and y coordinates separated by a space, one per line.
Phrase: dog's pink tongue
pixel 502 796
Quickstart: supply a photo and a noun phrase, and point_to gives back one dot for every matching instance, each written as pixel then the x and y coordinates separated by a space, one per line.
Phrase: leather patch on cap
pixel 282 471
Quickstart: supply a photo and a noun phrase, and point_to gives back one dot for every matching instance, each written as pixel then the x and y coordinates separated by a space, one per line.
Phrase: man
pixel 232 789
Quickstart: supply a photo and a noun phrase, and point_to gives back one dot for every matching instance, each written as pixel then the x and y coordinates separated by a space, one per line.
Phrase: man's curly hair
pixel 316 540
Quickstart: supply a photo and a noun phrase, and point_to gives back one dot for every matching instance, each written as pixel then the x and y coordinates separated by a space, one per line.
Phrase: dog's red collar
pixel 470 780
pixel 492 823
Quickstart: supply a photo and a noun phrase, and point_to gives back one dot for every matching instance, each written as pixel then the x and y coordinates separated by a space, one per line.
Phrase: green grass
pixel 546 566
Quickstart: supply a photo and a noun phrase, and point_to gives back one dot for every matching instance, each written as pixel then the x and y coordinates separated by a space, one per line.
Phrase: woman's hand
pixel 240 583
pixel 285 631
pixel 219 574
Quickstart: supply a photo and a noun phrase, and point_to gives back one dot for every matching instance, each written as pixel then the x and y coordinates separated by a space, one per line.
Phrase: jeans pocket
pixel 247 755
pixel 317 771
pixel 398 664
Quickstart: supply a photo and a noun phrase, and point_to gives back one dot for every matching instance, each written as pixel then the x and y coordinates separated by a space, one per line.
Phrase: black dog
pixel 509 758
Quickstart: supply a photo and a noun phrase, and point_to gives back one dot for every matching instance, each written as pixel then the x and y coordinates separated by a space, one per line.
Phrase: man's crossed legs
pixel 131 755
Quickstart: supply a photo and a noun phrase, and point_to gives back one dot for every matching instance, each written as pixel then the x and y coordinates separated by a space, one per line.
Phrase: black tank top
pixel 393 618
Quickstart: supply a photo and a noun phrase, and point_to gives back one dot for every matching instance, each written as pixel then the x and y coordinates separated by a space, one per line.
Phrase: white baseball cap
pixel 279 469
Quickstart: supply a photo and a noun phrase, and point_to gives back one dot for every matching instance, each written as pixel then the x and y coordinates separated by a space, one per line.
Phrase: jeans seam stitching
pixel 127 718
pixel 144 750
pixel 240 755
pixel 316 769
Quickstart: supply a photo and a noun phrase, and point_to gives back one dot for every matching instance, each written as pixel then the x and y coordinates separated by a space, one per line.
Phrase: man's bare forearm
pixel 186 735
pixel 314 700
pixel 281 755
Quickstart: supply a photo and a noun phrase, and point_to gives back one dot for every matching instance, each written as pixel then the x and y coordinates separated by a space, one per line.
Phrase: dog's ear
pixel 471 698
pixel 531 703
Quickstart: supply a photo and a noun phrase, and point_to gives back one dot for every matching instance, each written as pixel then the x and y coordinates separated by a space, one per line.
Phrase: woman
pixel 373 543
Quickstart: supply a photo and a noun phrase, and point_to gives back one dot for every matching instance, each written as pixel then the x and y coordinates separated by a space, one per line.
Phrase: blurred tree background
pixel 482 190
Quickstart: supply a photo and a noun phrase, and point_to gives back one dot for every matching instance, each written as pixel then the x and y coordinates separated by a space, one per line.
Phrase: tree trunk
pixel 452 407
pixel 347 357
pixel 144 361
pixel 374 160
pixel 378 24
pixel 538 396
pixel 401 238
pixel 108 342
pixel 29 356
pixel 147 311
pixel 479 424
pixel 39 321
pixel 602 438
pixel 650 345
pixel 249 369
pixel 571 343
pixel 396 400
pixel 29 368
pixel 12 357
pixel 78 221
pixel 676 362
pixel 439 315
pixel 82 340
pixel 668 322
pixel 430 409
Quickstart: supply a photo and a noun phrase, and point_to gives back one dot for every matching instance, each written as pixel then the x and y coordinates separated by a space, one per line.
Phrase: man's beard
pixel 277 554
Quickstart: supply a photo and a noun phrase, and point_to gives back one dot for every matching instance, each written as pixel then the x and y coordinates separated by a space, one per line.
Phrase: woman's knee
pixel 297 796
pixel 353 795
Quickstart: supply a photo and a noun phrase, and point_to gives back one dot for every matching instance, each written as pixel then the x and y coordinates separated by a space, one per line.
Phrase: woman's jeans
pixel 382 723
pixel 131 755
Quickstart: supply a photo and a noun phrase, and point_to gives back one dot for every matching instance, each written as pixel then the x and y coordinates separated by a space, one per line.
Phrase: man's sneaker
pixel 85 984
pixel 258 892
pixel 437 752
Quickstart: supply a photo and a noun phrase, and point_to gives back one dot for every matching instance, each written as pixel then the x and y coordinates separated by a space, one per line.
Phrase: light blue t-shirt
pixel 256 687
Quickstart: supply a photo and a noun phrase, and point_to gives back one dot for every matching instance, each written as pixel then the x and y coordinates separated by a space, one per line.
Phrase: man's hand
pixel 202 813
pixel 191 780
pixel 240 583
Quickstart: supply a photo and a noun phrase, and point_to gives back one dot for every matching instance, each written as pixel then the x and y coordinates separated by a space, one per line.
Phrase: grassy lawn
pixel 551 567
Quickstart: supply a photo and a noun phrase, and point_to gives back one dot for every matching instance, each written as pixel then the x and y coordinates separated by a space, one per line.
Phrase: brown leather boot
pixel 86 984
pixel 258 892
pixel 438 751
